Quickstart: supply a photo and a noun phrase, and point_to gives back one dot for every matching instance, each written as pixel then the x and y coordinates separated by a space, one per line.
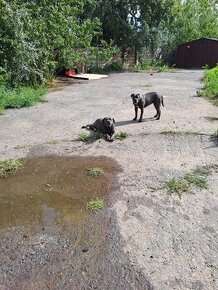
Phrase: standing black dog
pixel 105 126
pixel 142 101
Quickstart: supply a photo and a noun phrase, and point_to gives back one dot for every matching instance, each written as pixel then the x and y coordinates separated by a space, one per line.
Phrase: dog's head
pixel 108 122
pixel 135 99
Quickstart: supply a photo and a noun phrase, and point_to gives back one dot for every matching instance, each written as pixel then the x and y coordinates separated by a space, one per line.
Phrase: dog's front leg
pixel 136 113
pixel 142 111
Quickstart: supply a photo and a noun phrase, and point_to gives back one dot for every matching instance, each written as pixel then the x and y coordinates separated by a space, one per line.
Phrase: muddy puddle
pixel 53 190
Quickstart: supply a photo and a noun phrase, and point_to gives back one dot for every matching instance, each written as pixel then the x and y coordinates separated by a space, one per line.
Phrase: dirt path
pixel 171 242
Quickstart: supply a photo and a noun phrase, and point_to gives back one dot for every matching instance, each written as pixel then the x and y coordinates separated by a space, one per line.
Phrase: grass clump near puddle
pixel 121 136
pixel 21 97
pixel 9 167
pixel 95 205
pixel 196 177
pixel 95 171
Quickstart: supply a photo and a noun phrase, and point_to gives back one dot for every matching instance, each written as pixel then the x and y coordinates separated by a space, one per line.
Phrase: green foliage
pixel 84 137
pixel 9 167
pixel 215 134
pixel 196 180
pixel 39 36
pixel 121 136
pixel 20 97
pixel 210 90
pixel 177 186
pixel 95 171
pixel 95 205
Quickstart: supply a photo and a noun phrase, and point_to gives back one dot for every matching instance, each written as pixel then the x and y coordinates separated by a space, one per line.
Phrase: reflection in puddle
pixel 53 190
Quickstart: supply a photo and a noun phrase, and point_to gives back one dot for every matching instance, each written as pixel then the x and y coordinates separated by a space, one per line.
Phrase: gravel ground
pixel 166 241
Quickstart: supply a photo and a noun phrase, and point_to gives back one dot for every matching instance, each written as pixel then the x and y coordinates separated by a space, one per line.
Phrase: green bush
pixel 211 85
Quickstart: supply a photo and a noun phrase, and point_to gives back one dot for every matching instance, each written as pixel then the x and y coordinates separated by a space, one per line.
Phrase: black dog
pixel 105 126
pixel 142 101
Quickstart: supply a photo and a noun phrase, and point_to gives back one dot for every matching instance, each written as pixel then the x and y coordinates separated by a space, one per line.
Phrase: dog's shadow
pixel 127 122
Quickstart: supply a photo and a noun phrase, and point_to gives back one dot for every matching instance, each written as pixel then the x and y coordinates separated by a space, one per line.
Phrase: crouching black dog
pixel 143 100
pixel 105 126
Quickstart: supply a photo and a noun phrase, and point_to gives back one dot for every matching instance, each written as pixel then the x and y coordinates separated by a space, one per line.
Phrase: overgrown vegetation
pixel 177 186
pixel 95 171
pixel 210 90
pixel 9 167
pixel 95 205
pixel 20 97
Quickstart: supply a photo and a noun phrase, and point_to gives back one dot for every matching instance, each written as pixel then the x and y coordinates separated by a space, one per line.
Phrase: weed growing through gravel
pixel 95 171
pixel 121 136
pixel 84 137
pixel 9 166
pixel 95 205
pixel 202 171
pixel 212 118
pixel 196 180
pixel 215 134
pixel 177 186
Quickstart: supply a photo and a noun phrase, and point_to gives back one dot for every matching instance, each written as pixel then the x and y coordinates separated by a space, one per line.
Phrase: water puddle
pixel 53 190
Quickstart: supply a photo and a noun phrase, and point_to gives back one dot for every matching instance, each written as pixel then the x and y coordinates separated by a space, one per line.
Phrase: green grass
pixel 212 119
pixel 177 186
pixel 210 81
pixel 202 171
pixel 196 180
pixel 84 137
pixel 22 97
pixel 215 134
pixel 196 177
pixel 95 171
pixel 9 167
pixel 121 136
pixel 95 205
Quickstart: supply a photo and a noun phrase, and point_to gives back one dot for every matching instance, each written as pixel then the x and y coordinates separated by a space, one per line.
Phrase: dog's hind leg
pixel 157 107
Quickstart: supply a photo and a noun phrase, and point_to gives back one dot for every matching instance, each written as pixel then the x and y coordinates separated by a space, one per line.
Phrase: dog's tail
pixel 85 127
pixel 162 101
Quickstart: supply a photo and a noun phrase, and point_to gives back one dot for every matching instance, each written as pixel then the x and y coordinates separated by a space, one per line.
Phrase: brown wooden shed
pixel 198 53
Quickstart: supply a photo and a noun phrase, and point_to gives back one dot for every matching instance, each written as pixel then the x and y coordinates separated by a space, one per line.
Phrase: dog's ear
pixel 138 95
pixel 132 96
pixel 114 121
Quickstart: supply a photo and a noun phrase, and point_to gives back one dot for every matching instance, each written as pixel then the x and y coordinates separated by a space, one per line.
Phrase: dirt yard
pixel 145 238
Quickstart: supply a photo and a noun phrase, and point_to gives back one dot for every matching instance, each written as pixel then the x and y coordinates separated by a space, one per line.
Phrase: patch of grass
pixel 22 97
pixel 95 205
pixel 212 118
pixel 215 134
pixel 84 137
pixel 95 171
pixel 196 180
pixel 202 171
pixel 177 186
pixel 9 167
pixel 210 81
pixel 121 136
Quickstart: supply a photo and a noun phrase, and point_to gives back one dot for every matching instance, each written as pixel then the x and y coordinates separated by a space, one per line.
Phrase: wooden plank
pixel 89 76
